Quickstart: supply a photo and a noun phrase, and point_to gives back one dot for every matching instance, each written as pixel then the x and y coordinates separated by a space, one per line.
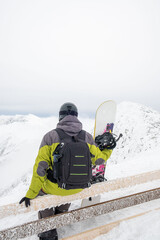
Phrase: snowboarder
pixel 43 181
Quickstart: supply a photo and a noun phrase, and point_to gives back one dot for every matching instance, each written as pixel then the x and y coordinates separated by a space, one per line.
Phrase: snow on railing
pixel 48 201
pixel 74 216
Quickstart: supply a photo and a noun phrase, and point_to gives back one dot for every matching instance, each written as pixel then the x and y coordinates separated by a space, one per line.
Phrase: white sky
pixel 83 51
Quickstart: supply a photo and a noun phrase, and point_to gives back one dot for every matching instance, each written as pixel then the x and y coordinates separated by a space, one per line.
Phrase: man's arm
pixel 42 163
pixel 98 156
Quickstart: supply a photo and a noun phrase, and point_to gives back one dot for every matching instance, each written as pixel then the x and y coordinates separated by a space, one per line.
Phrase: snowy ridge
pixel 20 137
pixel 140 127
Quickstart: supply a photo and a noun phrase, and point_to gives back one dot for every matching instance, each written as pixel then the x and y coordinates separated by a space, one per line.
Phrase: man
pixel 41 181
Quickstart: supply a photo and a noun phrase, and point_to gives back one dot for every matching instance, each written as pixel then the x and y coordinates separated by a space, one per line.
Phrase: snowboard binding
pixel 107 140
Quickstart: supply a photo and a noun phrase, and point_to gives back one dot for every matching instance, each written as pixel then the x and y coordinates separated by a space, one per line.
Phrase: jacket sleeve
pixel 95 151
pixel 42 163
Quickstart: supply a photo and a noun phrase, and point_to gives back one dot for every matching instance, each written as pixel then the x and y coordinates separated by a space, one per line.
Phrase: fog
pixel 83 51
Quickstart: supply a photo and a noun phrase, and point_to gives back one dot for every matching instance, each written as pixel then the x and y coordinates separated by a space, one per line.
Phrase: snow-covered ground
pixel 137 152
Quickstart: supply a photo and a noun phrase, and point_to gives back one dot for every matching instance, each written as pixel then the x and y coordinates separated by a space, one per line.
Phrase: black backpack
pixel 72 166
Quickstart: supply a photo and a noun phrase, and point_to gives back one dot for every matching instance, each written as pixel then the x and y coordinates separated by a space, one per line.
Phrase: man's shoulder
pixel 89 138
pixel 50 138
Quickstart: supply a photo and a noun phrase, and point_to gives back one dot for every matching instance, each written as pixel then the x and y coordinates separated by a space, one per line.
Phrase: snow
pixel 136 228
pixel 137 152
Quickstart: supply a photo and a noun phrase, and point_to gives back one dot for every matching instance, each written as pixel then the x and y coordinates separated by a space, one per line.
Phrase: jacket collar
pixel 70 124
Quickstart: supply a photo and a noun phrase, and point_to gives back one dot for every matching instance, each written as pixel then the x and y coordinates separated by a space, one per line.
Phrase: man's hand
pixel 26 200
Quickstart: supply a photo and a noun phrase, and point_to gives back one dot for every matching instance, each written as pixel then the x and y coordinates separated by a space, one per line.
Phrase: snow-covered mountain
pixel 140 127
pixel 138 151
pixel 20 137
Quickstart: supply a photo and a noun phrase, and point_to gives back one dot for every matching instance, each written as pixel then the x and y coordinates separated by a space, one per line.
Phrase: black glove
pixel 106 140
pixel 27 201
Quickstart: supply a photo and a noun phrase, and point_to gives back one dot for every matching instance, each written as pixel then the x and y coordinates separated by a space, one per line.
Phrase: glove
pixel 99 161
pixel 27 201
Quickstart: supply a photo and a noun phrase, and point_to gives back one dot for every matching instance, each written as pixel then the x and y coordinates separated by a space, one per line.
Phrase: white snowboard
pixel 104 121
pixel 105 114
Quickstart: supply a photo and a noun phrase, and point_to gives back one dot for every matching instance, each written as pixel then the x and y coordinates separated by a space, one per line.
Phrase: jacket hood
pixel 70 124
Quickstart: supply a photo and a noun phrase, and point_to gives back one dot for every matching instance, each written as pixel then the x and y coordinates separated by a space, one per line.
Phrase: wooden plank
pixel 61 220
pixel 96 232
pixel 96 189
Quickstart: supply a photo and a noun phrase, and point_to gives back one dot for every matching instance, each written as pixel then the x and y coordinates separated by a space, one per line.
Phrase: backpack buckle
pixel 63 185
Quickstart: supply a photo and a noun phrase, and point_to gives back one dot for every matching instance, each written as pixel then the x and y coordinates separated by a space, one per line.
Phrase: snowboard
pixel 104 122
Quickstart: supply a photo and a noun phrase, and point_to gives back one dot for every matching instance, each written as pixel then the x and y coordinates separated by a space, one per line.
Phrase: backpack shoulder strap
pixel 61 133
pixel 82 135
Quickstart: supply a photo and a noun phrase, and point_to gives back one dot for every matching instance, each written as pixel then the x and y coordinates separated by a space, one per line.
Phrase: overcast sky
pixel 83 51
